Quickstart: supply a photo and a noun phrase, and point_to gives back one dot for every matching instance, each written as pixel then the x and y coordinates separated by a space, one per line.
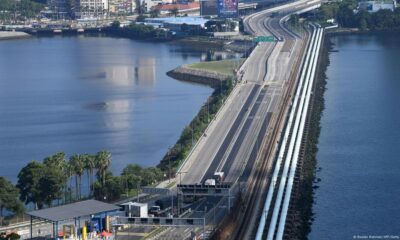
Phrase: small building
pixel 374 6
pixel 72 212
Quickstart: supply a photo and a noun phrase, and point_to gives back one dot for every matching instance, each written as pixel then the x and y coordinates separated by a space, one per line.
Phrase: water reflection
pixel 81 95
pixel 145 72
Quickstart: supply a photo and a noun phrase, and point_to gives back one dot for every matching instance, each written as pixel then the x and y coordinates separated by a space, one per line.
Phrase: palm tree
pixel 103 161
pixel 89 161
pixel 78 167
pixel 68 172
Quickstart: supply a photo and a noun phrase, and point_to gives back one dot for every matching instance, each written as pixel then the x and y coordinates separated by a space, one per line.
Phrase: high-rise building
pixel 92 9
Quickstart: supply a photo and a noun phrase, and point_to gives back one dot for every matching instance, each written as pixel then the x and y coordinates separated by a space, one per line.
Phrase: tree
pixel 102 162
pixel 56 160
pixel 111 189
pixel 184 27
pixel 9 236
pixel 51 185
pixel 89 161
pixel 140 18
pixel 174 11
pixel 132 176
pixel 9 198
pixel 68 172
pixel 78 166
pixel 28 183
pixel 154 12
pixel 151 175
pixel 115 25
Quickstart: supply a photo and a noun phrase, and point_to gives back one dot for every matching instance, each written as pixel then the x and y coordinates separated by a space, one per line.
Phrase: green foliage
pixel 50 185
pixel 23 9
pixel 140 18
pixel 184 27
pixel 154 13
pixel 41 183
pixel 135 175
pixel 294 20
pixel 28 183
pixel 343 12
pixel 90 164
pixel 102 162
pixel 77 165
pixel 138 31
pixel 174 11
pixel 111 190
pixel 9 197
pixel 9 236
pixel 115 25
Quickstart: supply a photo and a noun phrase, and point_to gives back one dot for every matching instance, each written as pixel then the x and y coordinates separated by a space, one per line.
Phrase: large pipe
pixel 275 214
pixel 285 207
pixel 270 194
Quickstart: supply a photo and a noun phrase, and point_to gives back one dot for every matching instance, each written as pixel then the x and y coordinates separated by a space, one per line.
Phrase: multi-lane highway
pixel 243 138
pixel 242 124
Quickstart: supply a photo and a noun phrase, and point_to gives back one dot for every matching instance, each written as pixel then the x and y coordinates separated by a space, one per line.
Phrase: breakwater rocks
pixel 185 73
pixel 12 35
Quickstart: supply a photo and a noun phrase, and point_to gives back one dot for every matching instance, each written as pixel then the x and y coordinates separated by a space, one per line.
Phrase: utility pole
pixel 169 164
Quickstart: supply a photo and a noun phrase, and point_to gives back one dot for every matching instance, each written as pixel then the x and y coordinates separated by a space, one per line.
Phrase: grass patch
pixel 224 66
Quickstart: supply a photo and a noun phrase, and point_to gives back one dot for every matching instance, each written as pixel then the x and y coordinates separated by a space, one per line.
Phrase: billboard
pixel 208 8
pixel 228 8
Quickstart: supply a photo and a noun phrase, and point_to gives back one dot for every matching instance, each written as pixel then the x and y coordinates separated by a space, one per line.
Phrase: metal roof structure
pixel 73 210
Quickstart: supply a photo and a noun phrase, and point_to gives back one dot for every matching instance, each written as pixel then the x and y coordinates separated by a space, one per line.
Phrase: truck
pixel 210 182
pixel 219 177
pixel 134 209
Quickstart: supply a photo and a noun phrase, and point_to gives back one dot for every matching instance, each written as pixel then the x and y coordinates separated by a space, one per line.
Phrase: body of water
pixel 359 193
pixel 85 94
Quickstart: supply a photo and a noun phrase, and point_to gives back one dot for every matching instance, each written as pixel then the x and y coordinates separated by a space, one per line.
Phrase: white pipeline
pixel 267 203
pixel 285 207
pixel 289 155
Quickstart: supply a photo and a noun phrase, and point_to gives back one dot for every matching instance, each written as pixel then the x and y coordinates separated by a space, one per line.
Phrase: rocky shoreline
pixel 185 73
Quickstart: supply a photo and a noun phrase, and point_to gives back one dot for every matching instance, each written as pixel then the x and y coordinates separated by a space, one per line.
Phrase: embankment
pixel 4 35
pixel 301 214
pixel 185 73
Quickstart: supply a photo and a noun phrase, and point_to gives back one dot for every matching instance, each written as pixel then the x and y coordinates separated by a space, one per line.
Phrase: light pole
pixel 169 165
pixel 180 182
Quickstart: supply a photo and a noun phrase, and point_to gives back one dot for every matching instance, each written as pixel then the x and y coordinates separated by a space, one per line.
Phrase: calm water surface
pixel 359 149
pixel 84 94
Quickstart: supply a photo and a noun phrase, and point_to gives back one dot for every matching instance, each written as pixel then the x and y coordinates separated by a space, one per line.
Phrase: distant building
pixel 58 9
pixel 92 9
pixel 121 7
pixel 374 6
pixel 175 23
pixel 182 8
pixel 147 5
pixel 208 7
